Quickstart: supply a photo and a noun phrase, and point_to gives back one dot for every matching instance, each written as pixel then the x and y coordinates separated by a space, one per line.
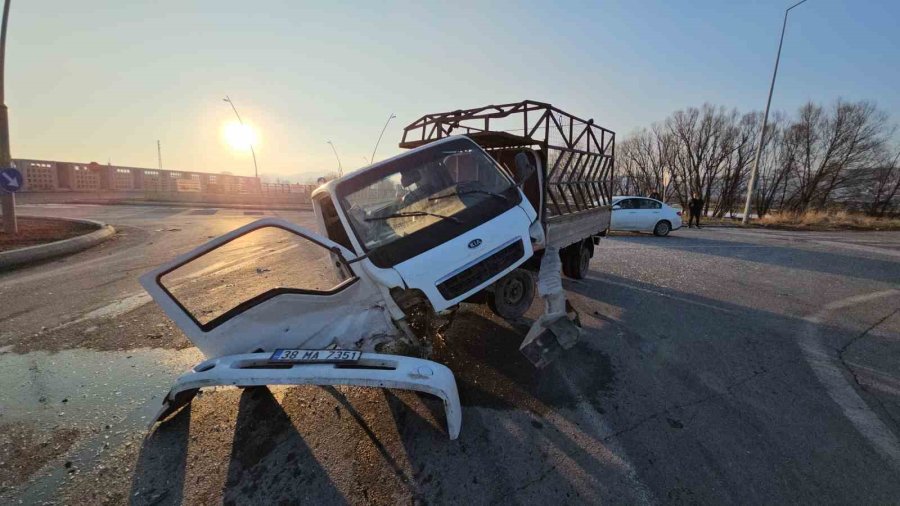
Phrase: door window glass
pixel 627 204
pixel 256 266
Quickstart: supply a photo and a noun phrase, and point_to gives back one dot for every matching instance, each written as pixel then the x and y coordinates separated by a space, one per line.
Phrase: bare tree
pixel 834 146
pixel 775 167
pixel 736 168
pixel 704 140
pixel 641 158
pixel 885 181
pixel 819 157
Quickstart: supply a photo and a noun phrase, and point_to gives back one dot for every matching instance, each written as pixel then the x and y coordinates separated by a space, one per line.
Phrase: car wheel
pixel 512 294
pixel 662 228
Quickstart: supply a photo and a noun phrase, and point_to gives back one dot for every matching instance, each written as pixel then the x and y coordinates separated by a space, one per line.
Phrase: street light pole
pixel 340 167
pixel 762 133
pixel 381 135
pixel 255 168
pixel 7 199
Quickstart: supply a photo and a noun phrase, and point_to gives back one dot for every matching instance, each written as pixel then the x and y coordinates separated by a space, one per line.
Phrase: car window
pixel 649 204
pixel 626 203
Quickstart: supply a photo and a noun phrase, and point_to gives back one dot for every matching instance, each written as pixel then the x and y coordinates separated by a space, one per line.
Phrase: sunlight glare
pixel 239 137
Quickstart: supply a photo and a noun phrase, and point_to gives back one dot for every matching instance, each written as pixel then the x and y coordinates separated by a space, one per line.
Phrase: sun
pixel 239 137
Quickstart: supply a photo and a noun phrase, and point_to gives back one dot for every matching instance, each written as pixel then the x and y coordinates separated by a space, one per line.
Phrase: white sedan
pixel 642 214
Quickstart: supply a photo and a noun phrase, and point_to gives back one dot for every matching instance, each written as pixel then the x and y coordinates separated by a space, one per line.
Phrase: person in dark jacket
pixel 696 208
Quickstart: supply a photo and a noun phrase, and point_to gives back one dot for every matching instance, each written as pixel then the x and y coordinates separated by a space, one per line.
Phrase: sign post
pixel 8 177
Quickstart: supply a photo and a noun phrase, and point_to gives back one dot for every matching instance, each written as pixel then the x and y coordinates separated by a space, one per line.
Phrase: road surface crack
pixel 529 483
pixel 843 349
pixel 724 393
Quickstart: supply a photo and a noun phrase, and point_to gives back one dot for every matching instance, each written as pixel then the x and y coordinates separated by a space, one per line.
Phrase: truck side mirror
pixel 524 168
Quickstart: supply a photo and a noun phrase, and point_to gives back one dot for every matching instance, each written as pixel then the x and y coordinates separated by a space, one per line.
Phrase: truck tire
pixel 577 259
pixel 512 294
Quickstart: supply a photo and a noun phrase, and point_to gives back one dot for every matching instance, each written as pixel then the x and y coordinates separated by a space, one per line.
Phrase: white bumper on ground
pixel 372 370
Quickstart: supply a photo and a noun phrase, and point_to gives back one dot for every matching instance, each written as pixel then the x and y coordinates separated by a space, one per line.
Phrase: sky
pixel 93 80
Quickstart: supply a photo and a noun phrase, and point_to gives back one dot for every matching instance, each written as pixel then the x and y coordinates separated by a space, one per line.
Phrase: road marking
pixel 860 247
pixel 667 247
pixel 117 308
pixel 660 294
pixel 824 364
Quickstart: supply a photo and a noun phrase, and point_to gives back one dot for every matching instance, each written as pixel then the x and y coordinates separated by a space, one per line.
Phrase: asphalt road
pixel 718 366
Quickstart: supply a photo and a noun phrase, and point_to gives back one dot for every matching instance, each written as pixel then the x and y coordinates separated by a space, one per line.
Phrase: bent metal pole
pixel 252 152
pixel 762 133
pixel 392 116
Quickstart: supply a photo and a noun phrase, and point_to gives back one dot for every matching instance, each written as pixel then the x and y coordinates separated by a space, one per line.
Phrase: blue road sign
pixel 10 180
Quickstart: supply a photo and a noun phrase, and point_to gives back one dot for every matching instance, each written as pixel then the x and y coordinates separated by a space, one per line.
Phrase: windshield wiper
pixel 413 213
pixel 466 192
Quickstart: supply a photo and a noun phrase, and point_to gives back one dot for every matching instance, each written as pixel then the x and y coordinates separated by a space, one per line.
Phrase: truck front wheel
pixel 512 294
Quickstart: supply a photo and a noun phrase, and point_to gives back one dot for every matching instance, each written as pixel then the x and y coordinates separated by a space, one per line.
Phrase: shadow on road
pixel 483 354
pixel 163 454
pixel 270 461
pixel 839 264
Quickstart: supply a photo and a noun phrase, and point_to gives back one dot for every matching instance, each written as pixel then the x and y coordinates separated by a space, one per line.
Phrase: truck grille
pixel 482 271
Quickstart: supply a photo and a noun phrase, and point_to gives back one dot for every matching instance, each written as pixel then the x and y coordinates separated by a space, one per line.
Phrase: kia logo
pixel 474 243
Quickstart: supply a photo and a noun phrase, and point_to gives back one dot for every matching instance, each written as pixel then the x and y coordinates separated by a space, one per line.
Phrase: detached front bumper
pixel 372 370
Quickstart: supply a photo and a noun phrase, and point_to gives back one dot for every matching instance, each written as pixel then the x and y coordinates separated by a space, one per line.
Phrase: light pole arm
pixel 340 167
pixel 252 151
pixel 392 116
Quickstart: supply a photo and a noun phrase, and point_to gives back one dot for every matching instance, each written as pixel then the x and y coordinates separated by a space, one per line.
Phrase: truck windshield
pixel 454 184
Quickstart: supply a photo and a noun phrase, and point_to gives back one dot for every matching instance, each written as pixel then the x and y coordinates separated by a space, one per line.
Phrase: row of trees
pixel 819 158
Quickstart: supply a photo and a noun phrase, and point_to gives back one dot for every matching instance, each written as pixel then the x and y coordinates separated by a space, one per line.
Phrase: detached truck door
pixel 269 285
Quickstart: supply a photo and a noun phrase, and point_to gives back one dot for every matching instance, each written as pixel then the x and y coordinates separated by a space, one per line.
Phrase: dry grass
pixel 834 220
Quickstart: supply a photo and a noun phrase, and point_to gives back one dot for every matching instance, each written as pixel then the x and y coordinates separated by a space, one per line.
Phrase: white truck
pixel 401 242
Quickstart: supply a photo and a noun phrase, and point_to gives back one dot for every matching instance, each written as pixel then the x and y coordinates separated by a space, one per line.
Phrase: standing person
pixel 696 207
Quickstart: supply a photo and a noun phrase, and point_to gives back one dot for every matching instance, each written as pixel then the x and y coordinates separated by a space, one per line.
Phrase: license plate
pixel 319 356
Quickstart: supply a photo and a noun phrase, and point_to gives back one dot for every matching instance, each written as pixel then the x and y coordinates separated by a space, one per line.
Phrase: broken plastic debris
pixel 559 327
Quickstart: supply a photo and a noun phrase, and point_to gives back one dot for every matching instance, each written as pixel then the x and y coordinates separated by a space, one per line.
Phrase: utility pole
pixel 381 135
pixel 340 167
pixel 255 168
pixel 7 199
pixel 159 154
pixel 762 133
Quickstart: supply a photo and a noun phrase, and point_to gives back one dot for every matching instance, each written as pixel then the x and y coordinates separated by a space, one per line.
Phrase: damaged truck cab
pixel 434 226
